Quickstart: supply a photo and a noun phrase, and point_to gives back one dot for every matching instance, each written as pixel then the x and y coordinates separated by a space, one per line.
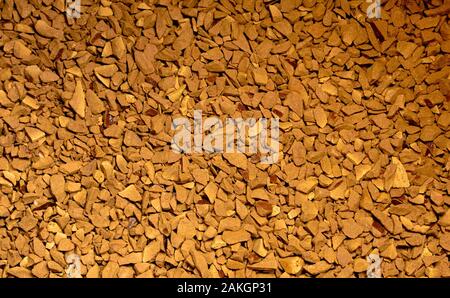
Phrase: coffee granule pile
pixel 90 185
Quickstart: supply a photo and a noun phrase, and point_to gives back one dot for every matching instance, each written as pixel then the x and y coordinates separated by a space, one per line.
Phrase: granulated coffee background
pixel 90 186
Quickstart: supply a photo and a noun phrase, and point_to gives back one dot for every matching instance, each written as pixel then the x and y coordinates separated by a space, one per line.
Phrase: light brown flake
pixel 78 101
pixel 57 186
pixel 34 133
pixel 131 193
pixel 292 265
pixel 233 237
pixel 351 229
